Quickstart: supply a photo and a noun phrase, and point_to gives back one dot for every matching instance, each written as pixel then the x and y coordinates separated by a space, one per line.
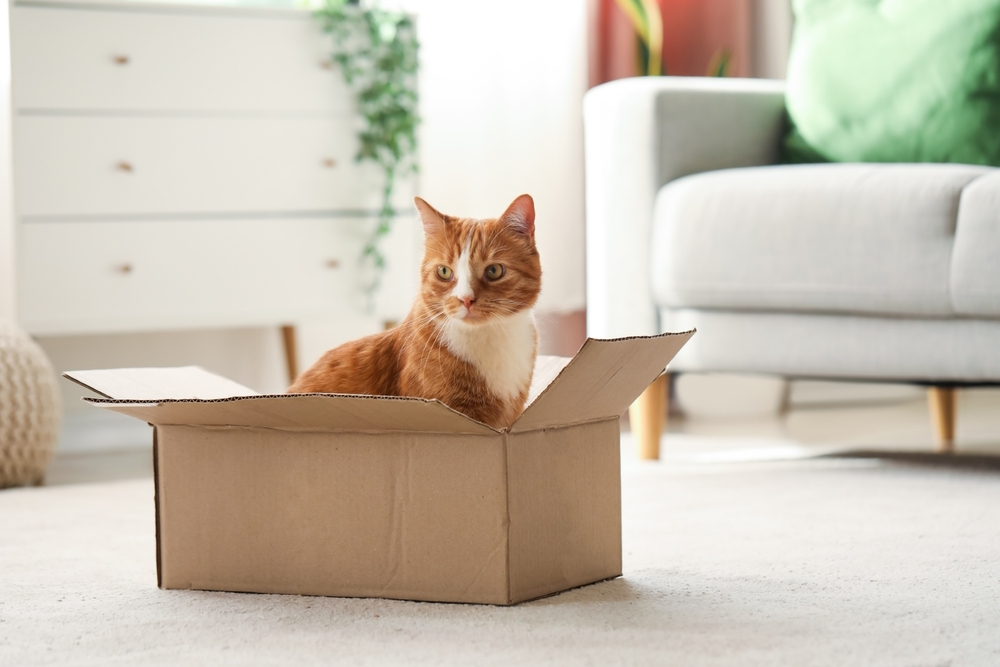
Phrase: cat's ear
pixel 520 216
pixel 433 220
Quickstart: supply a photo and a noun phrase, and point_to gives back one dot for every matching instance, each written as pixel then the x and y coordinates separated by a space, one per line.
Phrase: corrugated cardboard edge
pixel 156 508
pixel 108 401
pixel 506 501
pixel 125 402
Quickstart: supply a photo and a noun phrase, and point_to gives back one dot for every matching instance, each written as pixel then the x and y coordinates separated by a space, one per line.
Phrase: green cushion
pixel 895 81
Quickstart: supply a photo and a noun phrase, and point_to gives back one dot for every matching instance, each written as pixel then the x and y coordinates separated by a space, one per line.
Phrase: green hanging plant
pixel 376 50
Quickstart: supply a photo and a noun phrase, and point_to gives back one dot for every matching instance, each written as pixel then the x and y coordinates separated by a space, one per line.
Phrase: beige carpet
pixel 834 561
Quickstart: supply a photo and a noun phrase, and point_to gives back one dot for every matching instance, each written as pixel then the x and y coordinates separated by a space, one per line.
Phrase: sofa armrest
pixel 640 134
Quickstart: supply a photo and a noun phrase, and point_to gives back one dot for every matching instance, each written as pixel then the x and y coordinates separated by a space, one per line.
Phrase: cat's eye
pixel 444 272
pixel 495 272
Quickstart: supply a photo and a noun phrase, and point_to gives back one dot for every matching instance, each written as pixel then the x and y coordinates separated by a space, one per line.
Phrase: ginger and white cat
pixel 470 339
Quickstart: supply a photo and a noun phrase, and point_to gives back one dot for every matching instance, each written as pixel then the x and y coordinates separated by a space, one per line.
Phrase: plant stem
pixel 377 54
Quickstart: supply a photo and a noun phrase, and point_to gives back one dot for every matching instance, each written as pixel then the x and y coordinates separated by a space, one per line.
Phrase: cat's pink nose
pixel 468 301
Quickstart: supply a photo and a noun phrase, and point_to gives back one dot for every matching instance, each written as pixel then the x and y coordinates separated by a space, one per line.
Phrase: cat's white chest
pixel 503 350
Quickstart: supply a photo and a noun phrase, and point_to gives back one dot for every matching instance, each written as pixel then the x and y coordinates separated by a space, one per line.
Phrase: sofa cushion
pixel 891 81
pixel 932 350
pixel 975 263
pixel 841 238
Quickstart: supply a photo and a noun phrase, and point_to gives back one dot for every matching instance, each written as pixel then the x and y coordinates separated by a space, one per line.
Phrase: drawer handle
pixel 124 166
pixel 124 269
pixel 329 163
pixel 333 263
pixel 120 59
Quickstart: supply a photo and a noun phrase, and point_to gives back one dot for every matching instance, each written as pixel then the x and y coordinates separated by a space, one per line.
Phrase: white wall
pixel 502 87
pixel 6 205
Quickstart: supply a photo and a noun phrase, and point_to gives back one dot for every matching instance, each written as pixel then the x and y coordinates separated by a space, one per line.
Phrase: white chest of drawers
pixel 181 167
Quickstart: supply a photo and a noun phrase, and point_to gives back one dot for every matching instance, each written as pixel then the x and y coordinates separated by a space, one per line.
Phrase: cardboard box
pixel 367 496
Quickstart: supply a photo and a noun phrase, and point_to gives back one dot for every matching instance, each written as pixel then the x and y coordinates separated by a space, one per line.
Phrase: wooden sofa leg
pixel 942 403
pixel 288 340
pixel 648 417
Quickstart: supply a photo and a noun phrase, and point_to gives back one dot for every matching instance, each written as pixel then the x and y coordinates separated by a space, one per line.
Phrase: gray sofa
pixel 885 272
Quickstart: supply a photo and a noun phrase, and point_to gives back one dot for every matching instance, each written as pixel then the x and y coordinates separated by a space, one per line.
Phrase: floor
pixel 890 428
pixel 755 553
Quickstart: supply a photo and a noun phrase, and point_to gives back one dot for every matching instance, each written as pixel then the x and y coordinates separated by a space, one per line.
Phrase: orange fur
pixel 473 352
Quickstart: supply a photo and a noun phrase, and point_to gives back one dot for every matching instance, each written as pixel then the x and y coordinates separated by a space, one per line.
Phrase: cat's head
pixel 477 270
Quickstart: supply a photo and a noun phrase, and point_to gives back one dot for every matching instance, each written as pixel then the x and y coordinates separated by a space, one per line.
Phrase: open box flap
pixel 155 384
pixel 602 380
pixel 304 412
pixel 193 396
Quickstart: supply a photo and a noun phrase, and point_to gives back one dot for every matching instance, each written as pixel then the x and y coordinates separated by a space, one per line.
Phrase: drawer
pixel 132 276
pixel 171 59
pixel 95 166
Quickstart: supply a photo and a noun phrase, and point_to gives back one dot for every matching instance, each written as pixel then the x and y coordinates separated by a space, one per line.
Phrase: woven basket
pixel 29 409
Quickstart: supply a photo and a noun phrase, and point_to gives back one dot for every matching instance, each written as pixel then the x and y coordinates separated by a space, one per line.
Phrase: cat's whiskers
pixel 435 332
pixel 422 363
pixel 436 341
pixel 508 306
pixel 438 336
pixel 414 331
